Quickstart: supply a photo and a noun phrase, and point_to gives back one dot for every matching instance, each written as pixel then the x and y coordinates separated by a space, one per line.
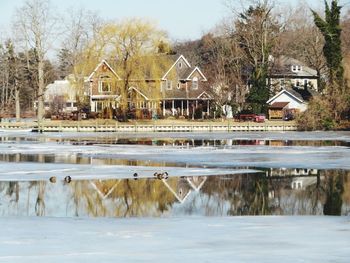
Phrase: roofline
pixel 200 72
pixel 194 98
pixel 181 56
pixel 210 97
pixel 99 65
pixel 143 95
pixel 282 91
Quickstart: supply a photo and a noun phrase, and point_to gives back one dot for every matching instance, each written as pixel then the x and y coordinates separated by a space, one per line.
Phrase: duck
pixel 52 179
pixel 161 176
pixel 67 179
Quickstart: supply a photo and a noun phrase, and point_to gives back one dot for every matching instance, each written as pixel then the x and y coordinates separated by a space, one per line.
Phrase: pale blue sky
pixel 182 19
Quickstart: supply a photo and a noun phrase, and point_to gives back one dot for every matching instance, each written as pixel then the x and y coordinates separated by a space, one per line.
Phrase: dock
pixel 118 127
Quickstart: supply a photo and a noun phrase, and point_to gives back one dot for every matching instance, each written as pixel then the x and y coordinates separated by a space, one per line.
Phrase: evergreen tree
pixel 337 93
pixel 331 30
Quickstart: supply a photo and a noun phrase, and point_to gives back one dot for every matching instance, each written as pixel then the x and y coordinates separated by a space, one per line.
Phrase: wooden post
pixel 208 108
pixel 188 108
pixel 163 108
pixel 182 107
pixel 173 107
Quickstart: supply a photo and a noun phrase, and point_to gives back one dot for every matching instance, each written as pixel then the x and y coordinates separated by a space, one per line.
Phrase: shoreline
pixel 150 126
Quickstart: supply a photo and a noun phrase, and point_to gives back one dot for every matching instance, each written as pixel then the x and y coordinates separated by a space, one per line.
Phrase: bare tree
pixel 302 40
pixel 36 24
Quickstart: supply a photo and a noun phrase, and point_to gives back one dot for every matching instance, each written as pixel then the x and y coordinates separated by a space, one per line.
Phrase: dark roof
pixel 282 66
pixel 278 105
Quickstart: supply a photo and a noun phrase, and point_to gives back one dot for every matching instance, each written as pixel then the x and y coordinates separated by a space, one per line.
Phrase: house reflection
pixel 274 192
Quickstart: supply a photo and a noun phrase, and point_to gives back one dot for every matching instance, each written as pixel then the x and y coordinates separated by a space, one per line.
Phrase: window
pixel 104 84
pixel 178 85
pixel 169 84
pixel 195 83
pixel 179 65
pixel 68 104
pixel 305 82
pixel 297 68
pixel 297 83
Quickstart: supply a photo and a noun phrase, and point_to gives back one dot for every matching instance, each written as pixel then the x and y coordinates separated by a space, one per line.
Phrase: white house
pixel 60 95
pixel 289 101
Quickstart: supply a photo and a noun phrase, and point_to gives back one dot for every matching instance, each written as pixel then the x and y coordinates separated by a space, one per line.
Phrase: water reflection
pixel 274 192
pixel 185 142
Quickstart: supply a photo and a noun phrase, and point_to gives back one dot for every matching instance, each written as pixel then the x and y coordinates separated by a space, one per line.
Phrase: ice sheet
pixel 325 157
pixel 190 239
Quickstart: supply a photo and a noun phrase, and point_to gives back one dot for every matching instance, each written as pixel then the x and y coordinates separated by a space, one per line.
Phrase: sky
pixel 182 19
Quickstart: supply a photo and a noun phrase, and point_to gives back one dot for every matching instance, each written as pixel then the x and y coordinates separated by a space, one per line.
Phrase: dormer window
pixel 296 68
pixel 195 83
pixel 104 84
pixel 179 65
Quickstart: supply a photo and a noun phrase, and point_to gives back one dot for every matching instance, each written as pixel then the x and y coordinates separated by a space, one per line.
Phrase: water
pixel 295 174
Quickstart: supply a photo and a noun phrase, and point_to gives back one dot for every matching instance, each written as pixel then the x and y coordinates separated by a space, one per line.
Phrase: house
pixel 288 102
pixel 104 88
pixel 286 72
pixel 178 89
pixel 60 96
pixel 293 84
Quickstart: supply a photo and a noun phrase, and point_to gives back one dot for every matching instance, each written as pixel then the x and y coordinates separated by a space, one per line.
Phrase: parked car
pixel 260 118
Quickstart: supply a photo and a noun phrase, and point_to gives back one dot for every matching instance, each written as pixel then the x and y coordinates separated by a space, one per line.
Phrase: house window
pixel 104 84
pixel 169 84
pixel 297 68
pixel 179 65
pixel 195 83
pixel 297 83
pixel 178 85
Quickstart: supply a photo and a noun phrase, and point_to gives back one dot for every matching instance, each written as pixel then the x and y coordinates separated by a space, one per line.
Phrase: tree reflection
pixel 273 192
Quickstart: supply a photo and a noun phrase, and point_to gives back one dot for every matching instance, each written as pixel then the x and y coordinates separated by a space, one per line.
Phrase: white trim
pixel 117 97
pixel 209 97
pixel 280 93
pixel 139 92
pixel 181 57
pixel 200 72
pixel 99 65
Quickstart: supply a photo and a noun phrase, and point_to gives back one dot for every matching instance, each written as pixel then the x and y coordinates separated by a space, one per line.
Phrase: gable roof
pixel 298 98
pixel 174 64
pixel 300 94
pixel 99 65
pixel 200 73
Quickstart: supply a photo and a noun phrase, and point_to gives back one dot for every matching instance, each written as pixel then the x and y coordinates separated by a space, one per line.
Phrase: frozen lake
pixel 187 190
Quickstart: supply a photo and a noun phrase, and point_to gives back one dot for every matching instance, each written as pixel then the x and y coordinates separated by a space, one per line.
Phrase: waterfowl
pixel 52 179
pixel 161 176
pixel 67 179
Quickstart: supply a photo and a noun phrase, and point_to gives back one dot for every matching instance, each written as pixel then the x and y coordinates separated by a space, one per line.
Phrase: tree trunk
pixel 18 106
pixel 41 88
